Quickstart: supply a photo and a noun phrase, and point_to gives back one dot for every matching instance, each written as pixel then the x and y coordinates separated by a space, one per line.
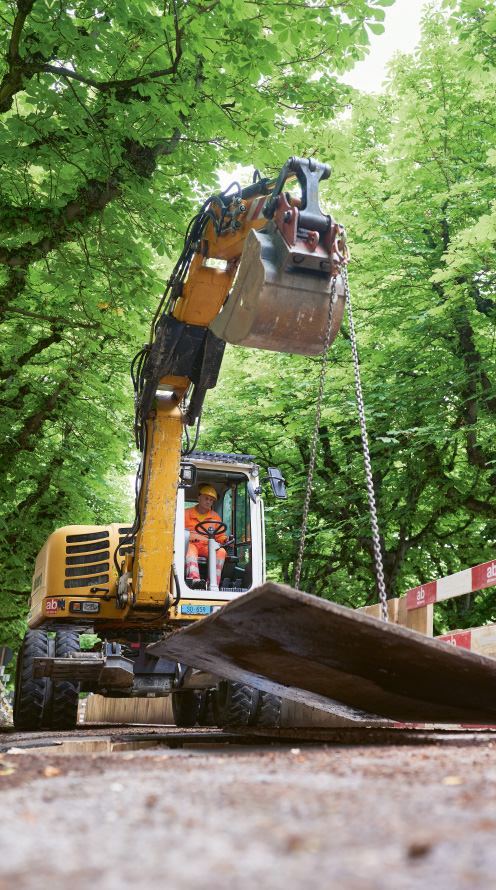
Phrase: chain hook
pixel 340 252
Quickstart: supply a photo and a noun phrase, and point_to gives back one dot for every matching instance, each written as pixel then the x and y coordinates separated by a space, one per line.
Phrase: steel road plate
pixel 337 659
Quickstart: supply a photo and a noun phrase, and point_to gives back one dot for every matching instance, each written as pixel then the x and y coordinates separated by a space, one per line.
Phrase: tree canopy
pixel 114 118
pixel 414 184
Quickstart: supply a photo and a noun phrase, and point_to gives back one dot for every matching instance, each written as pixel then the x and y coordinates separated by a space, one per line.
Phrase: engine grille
pixel 89 556
pixel 91 564
pixel 124 536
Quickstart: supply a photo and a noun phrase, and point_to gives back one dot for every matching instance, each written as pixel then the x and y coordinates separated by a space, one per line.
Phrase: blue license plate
pixel 195 609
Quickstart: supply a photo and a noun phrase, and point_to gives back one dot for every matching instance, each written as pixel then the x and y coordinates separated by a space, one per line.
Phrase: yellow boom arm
pixel 284 253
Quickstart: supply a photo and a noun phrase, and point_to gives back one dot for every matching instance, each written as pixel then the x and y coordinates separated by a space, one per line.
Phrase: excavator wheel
pixel 206 715
pixel 234 704
pixel 237 704
pixel 269 710
pixel 31 696
pixel 65 696
pixel 186 708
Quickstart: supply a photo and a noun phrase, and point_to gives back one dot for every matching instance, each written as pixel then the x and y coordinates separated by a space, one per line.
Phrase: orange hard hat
pixel 207 489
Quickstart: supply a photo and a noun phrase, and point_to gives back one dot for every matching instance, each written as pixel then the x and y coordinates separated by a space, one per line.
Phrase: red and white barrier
pixel 477 639
pixel 460 638
pixel 453 585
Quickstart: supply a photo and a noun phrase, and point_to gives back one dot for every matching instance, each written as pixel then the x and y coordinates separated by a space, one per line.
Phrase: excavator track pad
pixel 310 650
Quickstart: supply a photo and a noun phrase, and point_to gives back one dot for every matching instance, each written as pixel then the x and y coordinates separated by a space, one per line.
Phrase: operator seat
pixel 202 560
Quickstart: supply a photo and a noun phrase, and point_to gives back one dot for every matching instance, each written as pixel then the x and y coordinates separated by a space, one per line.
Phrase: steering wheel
pixel 218 527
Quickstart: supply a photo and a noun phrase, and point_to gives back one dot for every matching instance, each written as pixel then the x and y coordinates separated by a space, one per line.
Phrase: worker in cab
pixel 198 542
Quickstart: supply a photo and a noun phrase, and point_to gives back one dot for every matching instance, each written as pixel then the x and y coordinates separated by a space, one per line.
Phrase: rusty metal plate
pixel 334 658
pixel 114 670
pixel 71 669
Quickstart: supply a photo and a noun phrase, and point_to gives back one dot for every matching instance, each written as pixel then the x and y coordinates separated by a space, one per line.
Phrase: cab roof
pixel 219 457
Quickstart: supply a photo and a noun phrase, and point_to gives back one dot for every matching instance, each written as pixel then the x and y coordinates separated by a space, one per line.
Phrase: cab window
pixel 232 505
pixel 242 519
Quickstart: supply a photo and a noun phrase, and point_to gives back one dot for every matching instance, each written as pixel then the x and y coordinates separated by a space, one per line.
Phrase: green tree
pixel 114 118
pixel 414 185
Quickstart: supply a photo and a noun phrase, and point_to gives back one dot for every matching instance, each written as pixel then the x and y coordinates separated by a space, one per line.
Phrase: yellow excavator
pixel 260 268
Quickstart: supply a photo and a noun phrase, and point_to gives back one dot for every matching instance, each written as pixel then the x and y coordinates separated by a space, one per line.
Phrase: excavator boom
pixel 282 253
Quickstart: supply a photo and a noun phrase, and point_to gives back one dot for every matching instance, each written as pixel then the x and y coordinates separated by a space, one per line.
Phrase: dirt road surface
pixel 283 817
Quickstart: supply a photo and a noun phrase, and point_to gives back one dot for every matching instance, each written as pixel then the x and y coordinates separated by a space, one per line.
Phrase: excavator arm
pixel 282 251
pixel 281 254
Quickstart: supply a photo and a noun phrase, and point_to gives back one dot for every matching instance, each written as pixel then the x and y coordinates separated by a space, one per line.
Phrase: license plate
pixel 195 609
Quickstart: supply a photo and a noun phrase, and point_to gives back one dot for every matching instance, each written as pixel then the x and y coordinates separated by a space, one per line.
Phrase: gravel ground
pixel 281 818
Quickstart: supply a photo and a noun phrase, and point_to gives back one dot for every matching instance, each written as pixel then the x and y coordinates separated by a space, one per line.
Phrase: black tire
pixel 269 710
pixel 65 696
pixel 206 716
pixel 30 696
pixel 186 708
pixel 234 704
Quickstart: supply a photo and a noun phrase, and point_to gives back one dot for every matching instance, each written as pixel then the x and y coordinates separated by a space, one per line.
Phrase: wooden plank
pixel 483 640
pixel 420 620
pixel 375 610
pixel 100 709
pixel 477 639
pixel 296 714
pixel 340 660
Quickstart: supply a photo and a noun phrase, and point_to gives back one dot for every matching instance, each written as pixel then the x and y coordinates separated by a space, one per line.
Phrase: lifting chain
pixel 379 571
pixel 313 449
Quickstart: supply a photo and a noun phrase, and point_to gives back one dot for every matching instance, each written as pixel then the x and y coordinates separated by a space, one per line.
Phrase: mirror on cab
pixel 276 480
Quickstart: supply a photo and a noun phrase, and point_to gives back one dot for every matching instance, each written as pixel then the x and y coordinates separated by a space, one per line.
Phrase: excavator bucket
pixel 278 304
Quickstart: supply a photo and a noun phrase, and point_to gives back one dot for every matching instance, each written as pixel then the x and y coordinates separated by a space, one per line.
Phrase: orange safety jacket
pixel 192 518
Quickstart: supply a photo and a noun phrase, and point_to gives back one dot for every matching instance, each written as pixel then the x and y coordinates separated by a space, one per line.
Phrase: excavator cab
pixel 232 505
pixel 240 508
